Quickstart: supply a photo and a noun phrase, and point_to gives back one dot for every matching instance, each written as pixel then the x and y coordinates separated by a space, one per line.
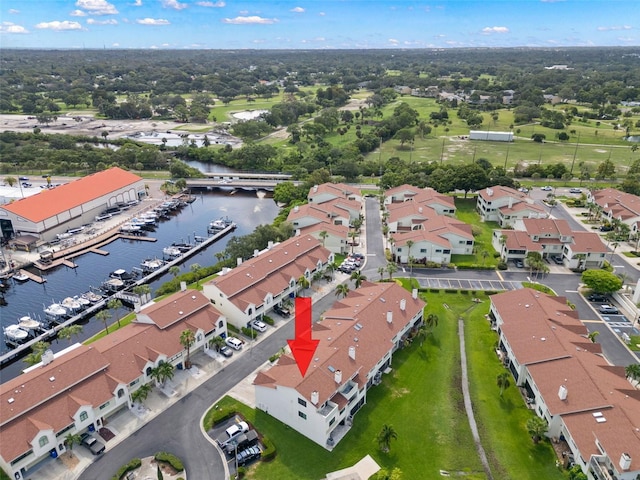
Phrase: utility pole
pixel 575 152
pixel 442 152
pixel 506 157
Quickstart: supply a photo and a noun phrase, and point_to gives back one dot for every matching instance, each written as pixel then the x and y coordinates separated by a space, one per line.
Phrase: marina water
pixel 247 209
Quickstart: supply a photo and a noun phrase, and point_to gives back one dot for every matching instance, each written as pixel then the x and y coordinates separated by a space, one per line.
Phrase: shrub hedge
pixel 132 465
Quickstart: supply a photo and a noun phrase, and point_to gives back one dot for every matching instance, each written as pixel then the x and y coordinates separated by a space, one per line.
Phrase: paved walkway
pixel 467 401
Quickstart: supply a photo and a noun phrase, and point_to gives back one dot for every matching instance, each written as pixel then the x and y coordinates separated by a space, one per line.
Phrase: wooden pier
pixel 33 276
pixel 142 238
pixel 98 251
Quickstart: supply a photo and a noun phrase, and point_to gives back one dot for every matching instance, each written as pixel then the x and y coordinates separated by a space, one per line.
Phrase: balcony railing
pixel 600 471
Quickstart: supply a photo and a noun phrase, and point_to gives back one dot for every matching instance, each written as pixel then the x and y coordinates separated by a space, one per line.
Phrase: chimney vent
pixel 296 208
pixel 414 293
pixel 183 286
pixel 389 317
pixel 625 461
pixel 562 392
pixel 270 245
pixel 352 353
pixel 338 376
pixel 315 397
pixel 239 261
pixel 403 304
pixel 256 252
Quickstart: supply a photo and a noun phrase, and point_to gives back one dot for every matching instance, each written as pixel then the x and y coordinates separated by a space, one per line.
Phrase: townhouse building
pixel 358 337
pixel 617 205
pixel 586 402
pixel 506 205
pixel 78 389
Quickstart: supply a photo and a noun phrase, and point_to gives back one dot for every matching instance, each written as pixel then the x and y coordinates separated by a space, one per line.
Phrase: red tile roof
pixel 498 191
pixel 587 242
pixel 51 202
pixel 542 226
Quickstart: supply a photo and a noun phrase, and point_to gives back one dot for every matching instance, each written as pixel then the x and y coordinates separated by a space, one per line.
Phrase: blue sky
pixel 313 24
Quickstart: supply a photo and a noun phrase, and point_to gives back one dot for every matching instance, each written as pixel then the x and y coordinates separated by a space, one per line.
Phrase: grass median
pixel 422 399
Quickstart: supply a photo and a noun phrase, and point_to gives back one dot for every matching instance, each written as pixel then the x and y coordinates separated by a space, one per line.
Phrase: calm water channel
pixel 246 209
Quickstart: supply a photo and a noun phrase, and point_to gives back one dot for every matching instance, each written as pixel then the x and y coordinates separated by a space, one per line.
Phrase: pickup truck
pixel 92 443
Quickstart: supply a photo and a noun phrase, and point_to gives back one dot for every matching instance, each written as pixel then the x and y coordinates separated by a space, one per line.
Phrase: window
pixel 332 421
pixel 302 415
pixel 438 250
pixel 446 251
pixel 399 249
pixel 121 393
pixel 423 250
pixel 43 441
pixel 469 242
pixel 302 402
pixel 84 416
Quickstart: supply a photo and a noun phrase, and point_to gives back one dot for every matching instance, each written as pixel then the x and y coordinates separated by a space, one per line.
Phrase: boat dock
pixel 126 295
pixel 33 276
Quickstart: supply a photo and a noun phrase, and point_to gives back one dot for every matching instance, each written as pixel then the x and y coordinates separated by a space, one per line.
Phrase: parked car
pixel 247 455
pixel 233 342
pixel 233 432
pixel 225 351
pixel 523 190
pixel 242 442
pixel 92 443
pixel 606 228
pixel 546 188
pixel 282 311
pixel 27 185
pixel 608 309
pixel 557 260
pixel 23 179
pixel 598 297
pixel 259 326
pixel 575 190
pixel 519 263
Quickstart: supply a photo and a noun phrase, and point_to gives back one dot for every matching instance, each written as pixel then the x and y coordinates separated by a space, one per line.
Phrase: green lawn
pixel 466 211
pixel 422 400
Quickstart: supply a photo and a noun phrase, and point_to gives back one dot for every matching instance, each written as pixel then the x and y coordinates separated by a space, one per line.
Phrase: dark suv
pixel 92 443
pixel 598 297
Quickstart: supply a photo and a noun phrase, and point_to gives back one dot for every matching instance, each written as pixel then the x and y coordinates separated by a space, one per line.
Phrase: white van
pixel 234 343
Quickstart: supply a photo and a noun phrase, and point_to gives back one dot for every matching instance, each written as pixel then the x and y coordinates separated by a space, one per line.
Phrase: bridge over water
pixel 247 181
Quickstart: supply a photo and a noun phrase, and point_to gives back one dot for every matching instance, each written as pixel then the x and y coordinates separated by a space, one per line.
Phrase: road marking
pixel 499 276
pixel 571 291
pixel 592 321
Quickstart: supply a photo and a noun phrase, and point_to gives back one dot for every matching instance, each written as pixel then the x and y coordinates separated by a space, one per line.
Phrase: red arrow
pixel 303 346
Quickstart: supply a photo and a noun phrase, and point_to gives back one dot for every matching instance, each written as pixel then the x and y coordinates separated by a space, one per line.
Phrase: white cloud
pixel 13 11
pixel 78 13
pixel 115 44
pixel 393 41
pixel 110 21
pixel 97 7
pixel 490 30
pixel 218 4
pixel 59 26
pixel 322 14
pixel 8 27
pixel 137 3
pixel 175 4
pixel 250 20
pixel 297 10
pixel 152 21
pixel 615 27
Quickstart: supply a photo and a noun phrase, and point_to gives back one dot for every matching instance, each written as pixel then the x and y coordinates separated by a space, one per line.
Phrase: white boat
pixel 20 277
pixel 130 228
pixel 92 297
pixel 84 303
pixel 55 312
pixel 171 252
pixel 151 264
pixel 27 323
pixel 72 305
pixel 14 334
pixel 218 225
pixel 113 285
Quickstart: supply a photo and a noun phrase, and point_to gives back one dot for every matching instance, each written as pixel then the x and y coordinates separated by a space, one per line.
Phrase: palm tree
pixel 33 359
pixel 195 268
pixel 503 382
pixel 432 321
pixel 187 338
pixel 141 394
pixel 69 331
pixel 484 254
pixel 331 267
pixel 174 271
pixel 142 291
pixel 162 373
pixel 323 235
pixel 303 283
pixel 633 371
pixel 391 269
pixel 115 304
pixel 385 436
pixel 40 347
pixel 72 439
pixel 409 245
pixel 422 333
pixel 536 427
pixel 352 235
pixel 613 251
pixel 381 271
pixel 217 342
pixel 357 278
pixel 342 290
pixel 592 336
pixel 103 316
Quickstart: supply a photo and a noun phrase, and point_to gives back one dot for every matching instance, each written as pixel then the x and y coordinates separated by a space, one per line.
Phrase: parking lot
pixel 218 434
pixel 621 325
pixel 468 284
